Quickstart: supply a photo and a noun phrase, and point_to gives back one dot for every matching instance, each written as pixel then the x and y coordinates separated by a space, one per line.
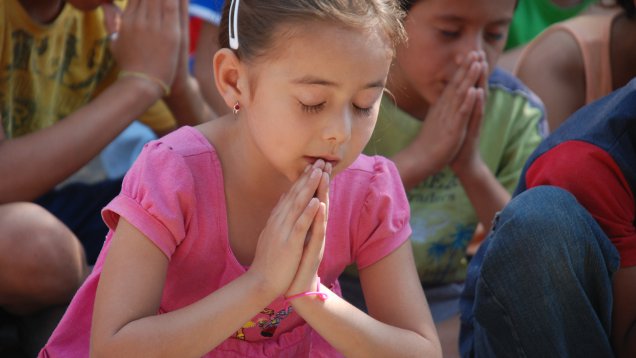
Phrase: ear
pixel 227 72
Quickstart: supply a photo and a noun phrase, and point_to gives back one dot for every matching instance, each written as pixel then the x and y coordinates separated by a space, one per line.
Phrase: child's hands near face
pixel 182 70
pixel 315 243
pixel 148 38
pixel 281 245
pixel 446 125
pixel 468 154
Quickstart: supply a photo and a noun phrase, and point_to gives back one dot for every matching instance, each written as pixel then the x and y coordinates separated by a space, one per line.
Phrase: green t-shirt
pixel 533 16
pixel 442 218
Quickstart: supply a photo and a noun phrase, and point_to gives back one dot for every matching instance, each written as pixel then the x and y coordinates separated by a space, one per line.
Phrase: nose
pixel 338 128
pixel 472 42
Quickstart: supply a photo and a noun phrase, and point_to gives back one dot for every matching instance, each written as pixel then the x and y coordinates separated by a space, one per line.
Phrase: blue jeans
pixel 540 284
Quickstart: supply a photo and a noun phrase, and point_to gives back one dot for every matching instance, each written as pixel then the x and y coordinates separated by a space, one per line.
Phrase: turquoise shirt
pixel 442 218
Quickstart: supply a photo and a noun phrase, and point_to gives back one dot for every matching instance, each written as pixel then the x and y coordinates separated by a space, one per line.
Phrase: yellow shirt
pixel 49 71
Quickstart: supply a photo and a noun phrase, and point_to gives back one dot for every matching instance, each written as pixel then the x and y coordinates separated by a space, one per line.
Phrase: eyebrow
pixel 312 80
pixel 453 18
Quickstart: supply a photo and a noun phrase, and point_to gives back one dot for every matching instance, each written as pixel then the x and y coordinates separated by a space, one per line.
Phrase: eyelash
pixel 489 36
pixel 317 108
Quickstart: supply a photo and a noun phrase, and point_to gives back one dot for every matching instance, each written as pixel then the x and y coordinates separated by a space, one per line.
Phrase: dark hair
pixel 628 6
pixel 260 20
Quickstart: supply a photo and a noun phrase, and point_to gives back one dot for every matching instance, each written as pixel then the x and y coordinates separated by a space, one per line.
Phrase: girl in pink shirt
pixel 228 238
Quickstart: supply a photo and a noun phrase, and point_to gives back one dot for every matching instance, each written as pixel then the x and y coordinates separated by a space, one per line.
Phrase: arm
pixel 611 203
pixel 553 68
pixel 444 128
pixel 624 313
pixel 136 266
pixel 186 101
pixel 207 46
pixel 486 194
pixel 399 322
pixel 35 163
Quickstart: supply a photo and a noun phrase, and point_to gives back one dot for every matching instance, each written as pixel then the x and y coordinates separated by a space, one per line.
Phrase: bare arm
pixel 207 46
pixel 624 314
pixel 444 129
pixel 399 323
pixel 35 163
pixel 136 266
pixel 186 101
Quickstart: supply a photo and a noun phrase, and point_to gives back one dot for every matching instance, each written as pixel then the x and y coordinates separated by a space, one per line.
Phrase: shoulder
pixel 555 52
pixel 512 104
pixel 369 169
pixel 503 82
pixel 367 180
pixel 172 158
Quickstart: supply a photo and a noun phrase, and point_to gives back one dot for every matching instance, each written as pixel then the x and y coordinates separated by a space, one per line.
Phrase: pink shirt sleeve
pixel 384 216
pixel 156 197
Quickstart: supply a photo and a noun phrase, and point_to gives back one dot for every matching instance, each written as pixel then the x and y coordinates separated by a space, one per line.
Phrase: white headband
pixel 233 24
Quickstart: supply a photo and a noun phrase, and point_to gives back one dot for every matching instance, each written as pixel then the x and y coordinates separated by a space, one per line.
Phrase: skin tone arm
pixel 207 46
pixel 136 266
pixel 39 161
pixel 186 101
pixel 399 323
pixel 450 136
pixel 624 315
pixel 553 69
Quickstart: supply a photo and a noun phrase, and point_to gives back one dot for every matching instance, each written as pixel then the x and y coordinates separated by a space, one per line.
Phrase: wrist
pixel 316 292
pixel 470 169
pixel 149 79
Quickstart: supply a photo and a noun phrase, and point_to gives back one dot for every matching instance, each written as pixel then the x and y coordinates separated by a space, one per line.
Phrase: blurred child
pixel 556 276
pixel 222 231
pixel 578 61
pixel 69 87
pixel 207 14
pixel 459 131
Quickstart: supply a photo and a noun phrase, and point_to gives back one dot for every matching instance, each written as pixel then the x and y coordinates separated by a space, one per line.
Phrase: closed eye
pixel 365 112
pixel 312 108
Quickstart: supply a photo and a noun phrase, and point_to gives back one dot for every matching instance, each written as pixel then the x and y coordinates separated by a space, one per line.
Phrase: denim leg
pixel 540 285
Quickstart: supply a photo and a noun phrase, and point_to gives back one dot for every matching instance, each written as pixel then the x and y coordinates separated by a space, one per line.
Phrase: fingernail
pixel 319 163
pixel 315 173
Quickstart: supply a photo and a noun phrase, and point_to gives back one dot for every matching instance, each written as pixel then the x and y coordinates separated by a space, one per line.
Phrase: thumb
pixel 112 17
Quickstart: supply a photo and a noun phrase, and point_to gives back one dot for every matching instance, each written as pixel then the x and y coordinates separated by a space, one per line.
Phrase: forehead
pixel 484 11
pixel 334 53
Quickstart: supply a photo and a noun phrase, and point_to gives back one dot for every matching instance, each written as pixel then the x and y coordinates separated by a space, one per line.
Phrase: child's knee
pixel 40 258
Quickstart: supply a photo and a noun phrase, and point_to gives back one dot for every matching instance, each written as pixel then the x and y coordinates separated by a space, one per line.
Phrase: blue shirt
pixel 208 10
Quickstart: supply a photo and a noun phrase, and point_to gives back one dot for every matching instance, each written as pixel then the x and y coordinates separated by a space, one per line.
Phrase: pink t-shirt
pixel 174 194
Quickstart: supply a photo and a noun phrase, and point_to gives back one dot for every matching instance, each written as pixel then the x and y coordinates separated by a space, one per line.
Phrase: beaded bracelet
pixel 321 295
pixel 163 85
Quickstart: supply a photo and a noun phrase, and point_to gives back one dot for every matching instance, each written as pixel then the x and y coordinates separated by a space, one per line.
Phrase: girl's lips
pixel 327 159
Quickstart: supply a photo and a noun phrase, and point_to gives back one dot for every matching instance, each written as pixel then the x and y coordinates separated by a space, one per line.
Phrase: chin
pixel 86 5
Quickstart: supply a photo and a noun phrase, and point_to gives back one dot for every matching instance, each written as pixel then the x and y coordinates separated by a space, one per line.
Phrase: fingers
pixel 299 195
pixel 112 17
pixel 316 244
pixel 477 113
